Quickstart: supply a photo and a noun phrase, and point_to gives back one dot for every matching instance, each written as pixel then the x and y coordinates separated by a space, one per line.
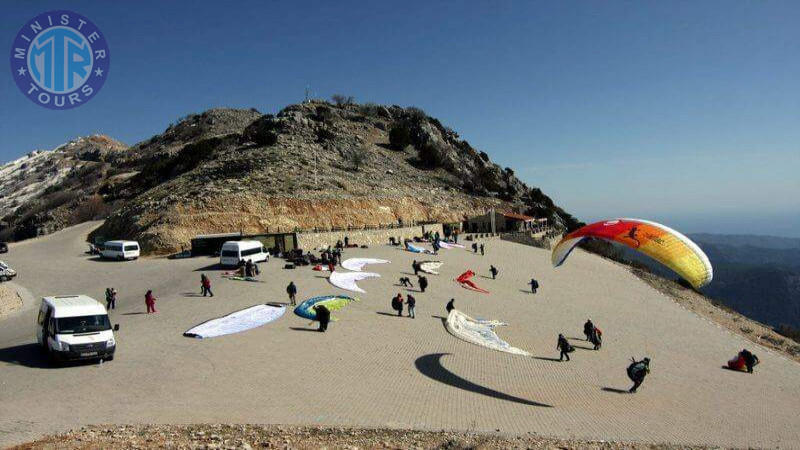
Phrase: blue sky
pixel 686 113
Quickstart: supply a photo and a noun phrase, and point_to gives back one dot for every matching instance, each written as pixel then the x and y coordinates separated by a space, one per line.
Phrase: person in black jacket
pixel 411 302
pixel 423 283
pixel 564 346
pixel 493 271
pixel 323 316
pixel 291 289
pixel 750 359
pixel 450 306
pixel 588 328
pixel 415 266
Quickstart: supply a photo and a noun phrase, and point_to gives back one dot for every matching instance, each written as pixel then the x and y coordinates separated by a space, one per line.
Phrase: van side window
pixel 131 248
pixel 251 251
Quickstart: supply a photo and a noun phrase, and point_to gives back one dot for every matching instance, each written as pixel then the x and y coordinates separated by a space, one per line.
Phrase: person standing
pixel 397 304
pixel 412 303
pixel 150 301
pixel 494 272
pixel 596 338
pixel 423 283
pixel 450 305
pixel 291 289
pixel 534 285
pixel 564 346
pixel 323 316
pixel 637 371
pixel 111 298
pixel 588 328
pixel 415 266
pixel 482 249
pixel 206 282
pixel 475 247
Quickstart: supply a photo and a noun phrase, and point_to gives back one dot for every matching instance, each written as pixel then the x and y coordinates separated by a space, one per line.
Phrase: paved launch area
pixel 373 369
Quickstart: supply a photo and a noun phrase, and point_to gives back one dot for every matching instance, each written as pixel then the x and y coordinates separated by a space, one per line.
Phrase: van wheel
pixel 119 258
pixel 3 278
pixel 109 358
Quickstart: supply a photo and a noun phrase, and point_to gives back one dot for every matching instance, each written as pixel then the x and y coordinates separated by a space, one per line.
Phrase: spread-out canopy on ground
pixel 479 332
pixel 416 249
pixel 430 266
pixel 657 241
pixel 465 281
pixel 449 245
pixel 238 321
pixel 332 302
pixel 347 280
pixel 357 264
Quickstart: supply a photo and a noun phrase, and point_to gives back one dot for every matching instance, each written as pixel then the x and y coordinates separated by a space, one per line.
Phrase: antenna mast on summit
pixel 307 88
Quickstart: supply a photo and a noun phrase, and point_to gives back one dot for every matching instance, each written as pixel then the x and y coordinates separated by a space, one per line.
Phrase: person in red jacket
pixel 206 282
pixel 150 301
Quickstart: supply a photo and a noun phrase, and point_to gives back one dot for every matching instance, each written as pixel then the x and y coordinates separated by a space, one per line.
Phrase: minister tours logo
pixel 60 59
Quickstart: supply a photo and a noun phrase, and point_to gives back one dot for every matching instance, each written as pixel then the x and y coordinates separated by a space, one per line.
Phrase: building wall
pixel 310 240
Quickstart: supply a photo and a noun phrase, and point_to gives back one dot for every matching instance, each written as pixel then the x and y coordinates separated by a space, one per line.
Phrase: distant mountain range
pixel 758 276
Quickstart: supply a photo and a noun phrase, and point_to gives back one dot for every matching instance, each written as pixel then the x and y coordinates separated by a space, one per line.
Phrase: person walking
pixel 475 247
pixel 482 249
pixel 415 266
pixel 323 316
pixel 450 305
pixel 397 304
pixel 564 346
pixel 111 298
pixel 494 272
pixel 423 283
pixel 291 289
pixel 412 303
pixel 206 283
pixel 534 285
pixel 150 301
pixel 588 327
pixel 637 371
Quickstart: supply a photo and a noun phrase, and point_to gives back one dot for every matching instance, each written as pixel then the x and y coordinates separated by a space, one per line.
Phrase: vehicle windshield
pixel 3 265
pixel 232 253
pixel 82 324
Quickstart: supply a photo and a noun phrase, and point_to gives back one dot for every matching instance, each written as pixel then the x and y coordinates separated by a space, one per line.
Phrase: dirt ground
pixel 246 437
pixel 9 300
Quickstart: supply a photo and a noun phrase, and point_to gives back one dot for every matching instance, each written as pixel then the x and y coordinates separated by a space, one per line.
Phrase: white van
pixel 234 251
pixel 120 250
pixel 6 273
pixel 72 327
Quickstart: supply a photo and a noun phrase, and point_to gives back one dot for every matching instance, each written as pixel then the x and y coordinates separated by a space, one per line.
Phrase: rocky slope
pixel 315 164
pixel 46 190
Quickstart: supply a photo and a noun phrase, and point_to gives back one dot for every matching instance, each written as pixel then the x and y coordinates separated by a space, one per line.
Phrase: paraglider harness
pixel 637 369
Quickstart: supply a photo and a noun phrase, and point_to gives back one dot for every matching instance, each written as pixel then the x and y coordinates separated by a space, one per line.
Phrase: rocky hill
pixel 312 165
pixel 48 189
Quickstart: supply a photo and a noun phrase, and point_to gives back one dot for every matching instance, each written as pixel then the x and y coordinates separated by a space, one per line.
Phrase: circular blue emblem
pixel 60 59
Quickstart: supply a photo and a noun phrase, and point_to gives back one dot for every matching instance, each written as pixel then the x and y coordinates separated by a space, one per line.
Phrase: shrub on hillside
pixel 399 136
pixel 356 158
pixel 341 100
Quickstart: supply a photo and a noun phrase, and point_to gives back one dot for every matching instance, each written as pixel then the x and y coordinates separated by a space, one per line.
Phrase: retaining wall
pixel 310 240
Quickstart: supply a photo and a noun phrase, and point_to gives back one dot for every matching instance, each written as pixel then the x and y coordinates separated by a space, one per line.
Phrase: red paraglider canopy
pixel 465 282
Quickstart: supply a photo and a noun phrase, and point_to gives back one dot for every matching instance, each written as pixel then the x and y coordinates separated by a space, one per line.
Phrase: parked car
pixel 3 247
pixel 75 327
pixel 120 250
pixel 234 251
pixel 6 273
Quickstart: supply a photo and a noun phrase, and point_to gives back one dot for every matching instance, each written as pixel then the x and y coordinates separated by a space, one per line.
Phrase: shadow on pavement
pixel 431 366
pixel 133 313
pixel 215 266
pixel 387 314
pixel 543 358
pixel 28 355
pixel 615 390
pixel 303 329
